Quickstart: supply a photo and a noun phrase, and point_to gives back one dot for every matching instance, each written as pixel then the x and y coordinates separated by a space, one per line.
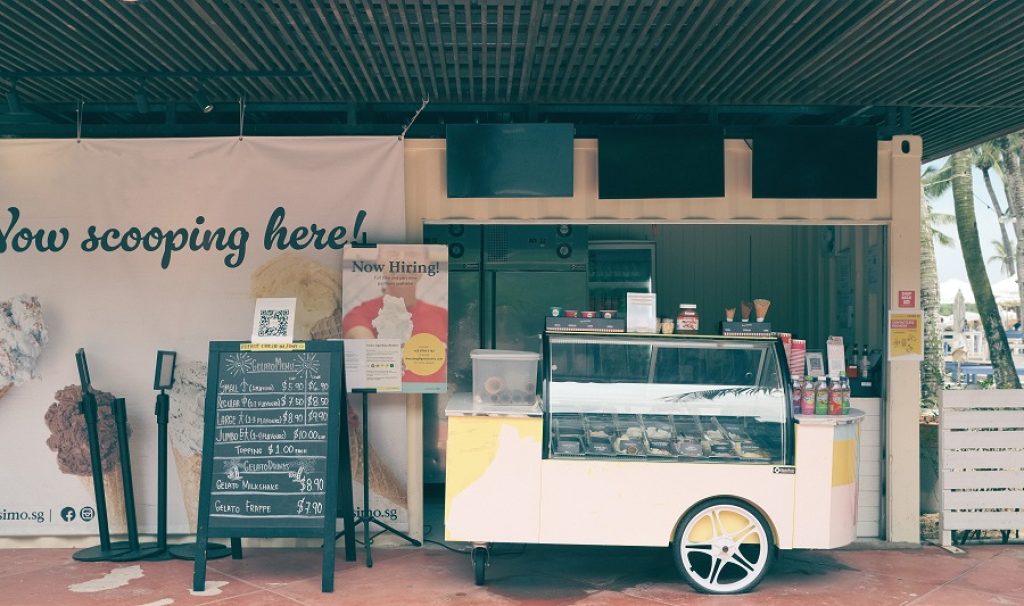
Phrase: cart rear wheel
pixel 480 555
pixel 723 546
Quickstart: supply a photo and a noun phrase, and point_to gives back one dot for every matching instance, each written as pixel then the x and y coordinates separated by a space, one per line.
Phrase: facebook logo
pixel 67 514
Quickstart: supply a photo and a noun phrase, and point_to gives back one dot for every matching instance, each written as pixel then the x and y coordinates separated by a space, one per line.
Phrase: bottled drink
pixel 821 397
pixel 798 395
pixel 835 398
pixel 846 396
pixel 807 403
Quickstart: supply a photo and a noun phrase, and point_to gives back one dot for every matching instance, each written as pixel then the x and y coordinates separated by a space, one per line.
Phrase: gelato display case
pixel 700 430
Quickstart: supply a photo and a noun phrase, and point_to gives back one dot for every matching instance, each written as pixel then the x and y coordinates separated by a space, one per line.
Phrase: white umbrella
pixel 1006 290
pixel 949 288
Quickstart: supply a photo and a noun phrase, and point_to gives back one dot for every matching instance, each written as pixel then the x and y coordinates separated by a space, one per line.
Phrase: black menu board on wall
pixel 273 447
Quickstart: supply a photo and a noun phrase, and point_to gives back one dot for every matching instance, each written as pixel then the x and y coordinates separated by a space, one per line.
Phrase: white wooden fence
pixel 981 461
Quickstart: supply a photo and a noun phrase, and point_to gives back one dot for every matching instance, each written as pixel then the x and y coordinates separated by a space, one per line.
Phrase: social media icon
pixel 87 513
pixel 68 514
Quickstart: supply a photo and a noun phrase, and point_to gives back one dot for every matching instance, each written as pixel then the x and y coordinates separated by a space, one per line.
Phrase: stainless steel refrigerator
pixel 502 281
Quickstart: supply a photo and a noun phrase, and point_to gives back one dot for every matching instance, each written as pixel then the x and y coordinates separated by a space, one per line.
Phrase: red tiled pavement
pixel 547 575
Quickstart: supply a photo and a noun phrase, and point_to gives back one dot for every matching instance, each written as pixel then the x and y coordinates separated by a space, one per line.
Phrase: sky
pixel 949 260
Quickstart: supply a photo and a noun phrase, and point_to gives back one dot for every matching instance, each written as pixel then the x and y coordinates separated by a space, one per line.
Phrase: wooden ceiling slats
pixel 328 75
pixel 513 52
pixel 610 87
pixel 617 40
pixel 745 50
pixel 568 31
pixel 443 51
pixel 570 70
pixel 709 52
pixel 345 73
pixel 957 64
pixel 581 70
pixel 273 43
pixel 803 62
pixel 499 43
pixel 383 53
pixel 861 64
pixel 695 34
pixel 532 34
pixel 426 50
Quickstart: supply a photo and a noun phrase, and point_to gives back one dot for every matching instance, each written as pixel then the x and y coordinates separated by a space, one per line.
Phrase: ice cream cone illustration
pixel 317 288
pixel 383 483
pixel 22 338
pixel 188 400
pixel 69 439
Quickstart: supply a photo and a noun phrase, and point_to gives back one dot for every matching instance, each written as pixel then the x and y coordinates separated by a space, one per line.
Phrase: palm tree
pixel 931 366
pixel 1004 255
pixel 1003 371
pixel 1013 182
pixel 986 157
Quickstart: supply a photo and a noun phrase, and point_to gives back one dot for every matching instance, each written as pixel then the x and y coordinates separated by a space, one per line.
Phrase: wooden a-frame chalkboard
pixel 275 448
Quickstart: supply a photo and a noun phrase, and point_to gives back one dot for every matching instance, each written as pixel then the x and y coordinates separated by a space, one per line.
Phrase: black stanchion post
pixel 136 550
pixel 89 408
pixel 163 405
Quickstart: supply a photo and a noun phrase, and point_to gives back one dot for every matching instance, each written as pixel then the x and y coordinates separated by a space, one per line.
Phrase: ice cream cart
pixel 697 434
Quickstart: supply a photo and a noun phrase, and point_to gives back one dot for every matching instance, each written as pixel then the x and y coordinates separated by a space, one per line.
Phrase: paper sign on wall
pixel 906 335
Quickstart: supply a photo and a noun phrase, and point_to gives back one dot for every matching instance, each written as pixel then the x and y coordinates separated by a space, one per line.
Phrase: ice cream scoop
pixel 730 313
pixel 69 439
pixel 744 311
pixel 22 338
pixel 68 436
pixel 394 321
pixel 188 401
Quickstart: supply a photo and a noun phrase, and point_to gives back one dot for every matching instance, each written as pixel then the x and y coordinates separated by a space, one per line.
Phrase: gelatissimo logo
pixel 16 515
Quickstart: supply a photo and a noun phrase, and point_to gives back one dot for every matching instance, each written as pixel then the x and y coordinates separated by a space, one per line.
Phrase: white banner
pixel 134 246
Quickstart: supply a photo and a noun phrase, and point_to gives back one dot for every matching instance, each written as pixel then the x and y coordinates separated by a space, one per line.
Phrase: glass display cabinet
pixel 668 398
pixel 695 432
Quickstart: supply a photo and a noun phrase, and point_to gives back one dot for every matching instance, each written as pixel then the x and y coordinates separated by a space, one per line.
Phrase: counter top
pixel 461 405
pixel 854 416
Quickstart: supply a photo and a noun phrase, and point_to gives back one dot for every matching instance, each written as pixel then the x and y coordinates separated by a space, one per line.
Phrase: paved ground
pixel 990 574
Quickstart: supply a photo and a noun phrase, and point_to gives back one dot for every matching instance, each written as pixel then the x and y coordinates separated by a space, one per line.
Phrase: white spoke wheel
pixel 723 546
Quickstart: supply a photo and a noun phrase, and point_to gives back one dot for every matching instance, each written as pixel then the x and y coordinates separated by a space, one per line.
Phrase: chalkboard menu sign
pixel 273 446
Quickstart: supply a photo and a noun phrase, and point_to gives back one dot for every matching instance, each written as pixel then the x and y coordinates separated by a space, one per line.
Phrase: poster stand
pixel 106 551
pixel 365 516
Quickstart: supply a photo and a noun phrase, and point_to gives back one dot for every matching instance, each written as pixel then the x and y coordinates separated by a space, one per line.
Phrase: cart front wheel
pixel 723 546
pixel 479 564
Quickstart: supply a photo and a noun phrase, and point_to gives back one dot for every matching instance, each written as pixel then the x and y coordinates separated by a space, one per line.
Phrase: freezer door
pixel 521 301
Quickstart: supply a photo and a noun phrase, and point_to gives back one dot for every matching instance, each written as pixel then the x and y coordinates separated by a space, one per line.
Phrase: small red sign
pixel 908 298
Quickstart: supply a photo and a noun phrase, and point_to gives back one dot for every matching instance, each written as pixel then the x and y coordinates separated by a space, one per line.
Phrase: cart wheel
pixel 723 546
pixel 480 556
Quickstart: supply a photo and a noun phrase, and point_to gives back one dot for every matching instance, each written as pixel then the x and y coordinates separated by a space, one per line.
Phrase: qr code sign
pixel 273 323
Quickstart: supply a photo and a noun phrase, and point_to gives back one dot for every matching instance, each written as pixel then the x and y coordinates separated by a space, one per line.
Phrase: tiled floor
pixel 550 575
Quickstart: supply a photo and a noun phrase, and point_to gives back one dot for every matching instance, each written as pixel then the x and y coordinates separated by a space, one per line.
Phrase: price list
pixel 270 439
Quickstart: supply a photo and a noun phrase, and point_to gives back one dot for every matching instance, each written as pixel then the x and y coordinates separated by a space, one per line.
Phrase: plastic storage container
pixel 503 377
